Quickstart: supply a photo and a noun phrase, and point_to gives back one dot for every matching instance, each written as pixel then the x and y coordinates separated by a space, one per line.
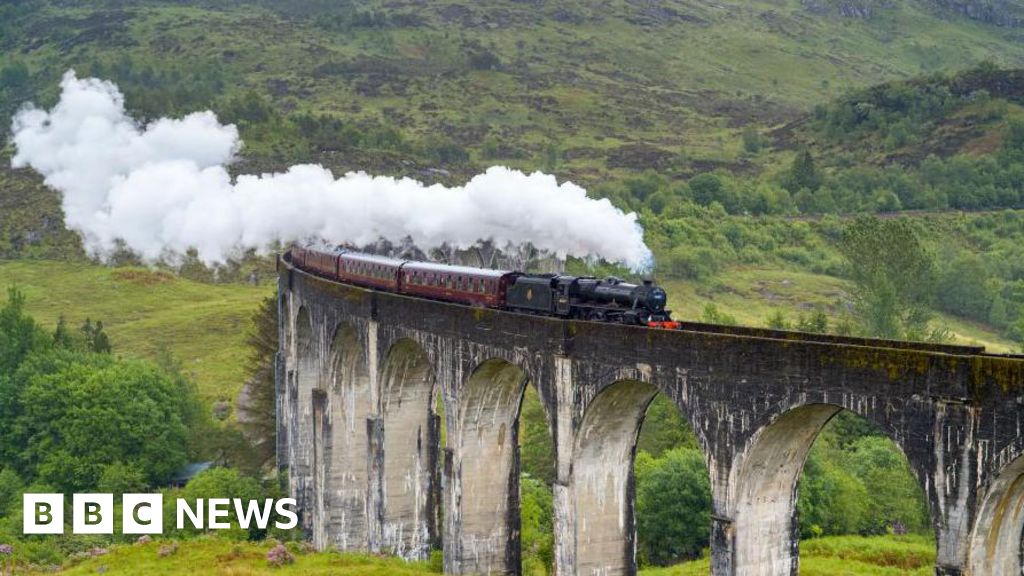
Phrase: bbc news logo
pixel 143 513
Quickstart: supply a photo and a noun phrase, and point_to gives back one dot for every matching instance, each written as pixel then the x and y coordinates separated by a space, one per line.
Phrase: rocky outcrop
pixel 1008 13
pixel 997 12
pixel 863 9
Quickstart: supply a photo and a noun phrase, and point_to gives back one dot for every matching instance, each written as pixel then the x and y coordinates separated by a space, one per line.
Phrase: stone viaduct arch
pixel 997 541
pixel 411 487
pixel 603 478
pixel 360 369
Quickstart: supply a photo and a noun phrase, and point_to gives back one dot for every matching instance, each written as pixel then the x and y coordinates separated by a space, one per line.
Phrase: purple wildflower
pixel 279 556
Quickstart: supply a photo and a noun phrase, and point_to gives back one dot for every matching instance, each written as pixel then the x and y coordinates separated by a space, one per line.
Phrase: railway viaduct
pixel 374 467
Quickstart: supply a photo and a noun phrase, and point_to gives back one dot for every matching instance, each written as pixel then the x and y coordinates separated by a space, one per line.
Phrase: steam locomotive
pixel 584 298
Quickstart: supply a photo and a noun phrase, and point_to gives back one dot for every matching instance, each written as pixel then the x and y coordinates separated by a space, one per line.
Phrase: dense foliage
pixel 894 277
pixel 76 419
pixel 857 482
pixel 968 266
pixel 673 506
pixel 58 396
pixel 258 405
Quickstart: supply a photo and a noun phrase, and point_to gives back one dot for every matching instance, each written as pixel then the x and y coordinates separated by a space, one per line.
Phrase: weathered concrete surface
pixel 603 479
pixel 764 496
pixel 996 543
pixel 346 449
pixel 756 400
pixel 484 489
pixel 410 451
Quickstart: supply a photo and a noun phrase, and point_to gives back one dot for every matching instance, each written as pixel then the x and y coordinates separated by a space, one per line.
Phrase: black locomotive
pixel 608 300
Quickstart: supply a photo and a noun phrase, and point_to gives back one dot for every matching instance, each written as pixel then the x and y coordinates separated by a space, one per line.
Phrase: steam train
pixel 584 298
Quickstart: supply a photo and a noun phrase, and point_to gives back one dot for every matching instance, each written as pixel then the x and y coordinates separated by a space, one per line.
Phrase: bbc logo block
pixel 92 514
pixel 44 514
pixel 143 514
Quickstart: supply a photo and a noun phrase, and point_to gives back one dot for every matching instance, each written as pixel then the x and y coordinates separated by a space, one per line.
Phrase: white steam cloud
pixel 162 189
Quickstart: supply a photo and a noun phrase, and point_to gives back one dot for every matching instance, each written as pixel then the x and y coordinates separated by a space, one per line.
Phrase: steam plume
pixel 163 189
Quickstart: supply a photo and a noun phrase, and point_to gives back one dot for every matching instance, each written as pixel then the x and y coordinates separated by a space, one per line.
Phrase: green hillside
pixel 147 313
pixel 589 89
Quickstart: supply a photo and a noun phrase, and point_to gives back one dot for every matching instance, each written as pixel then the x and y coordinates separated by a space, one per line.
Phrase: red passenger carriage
pixel 475 286
pixel 322 263
pixel 369 270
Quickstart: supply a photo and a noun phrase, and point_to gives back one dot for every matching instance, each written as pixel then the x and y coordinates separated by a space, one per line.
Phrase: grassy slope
pixel 752 294
pixel 237 559
pixel 846 556
pixel 144 312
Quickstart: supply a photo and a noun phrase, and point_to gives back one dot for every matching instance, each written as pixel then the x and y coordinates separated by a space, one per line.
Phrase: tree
pixel 664 429
pixel 1020 328
pixel 673 506
pixel 11 488
pixel 816 323
pixel 711 315
pixel 95 338
pixel 537 514
pixel 62 337
pixel 997 313
pixel 751 140
pixel 552 157
pixel 894 276
pixel 15 75
pixel 119 478
pixel 777 321
pixel 59 403
pixel 895 497
pixel 831 500
pixel 258 406
pixel 963 288
pixel 537 451
pixel 803 174
pixel 1013 140
pixel 19 334
pixel 222 483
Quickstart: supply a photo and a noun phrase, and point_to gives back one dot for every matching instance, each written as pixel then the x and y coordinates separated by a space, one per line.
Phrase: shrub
pixel 673 506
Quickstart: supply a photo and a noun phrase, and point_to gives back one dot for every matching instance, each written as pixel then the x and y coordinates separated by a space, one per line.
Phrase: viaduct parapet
pixel 361 374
